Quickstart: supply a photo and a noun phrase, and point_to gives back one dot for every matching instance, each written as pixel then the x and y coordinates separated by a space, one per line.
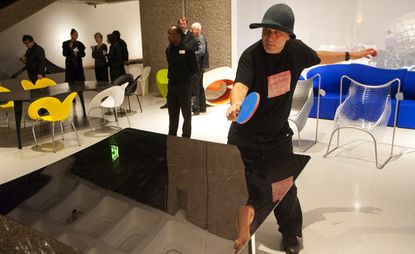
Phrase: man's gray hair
pixel 197 25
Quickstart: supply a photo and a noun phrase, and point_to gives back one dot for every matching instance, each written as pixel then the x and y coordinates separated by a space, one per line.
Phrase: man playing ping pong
pixel 272 67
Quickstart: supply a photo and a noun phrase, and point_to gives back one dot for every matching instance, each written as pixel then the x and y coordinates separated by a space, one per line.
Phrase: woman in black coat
pixel 99 52
pixel 74 51
pixel 115 61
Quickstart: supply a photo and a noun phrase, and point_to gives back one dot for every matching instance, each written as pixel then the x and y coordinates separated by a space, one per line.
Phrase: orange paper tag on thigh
pixel 279 84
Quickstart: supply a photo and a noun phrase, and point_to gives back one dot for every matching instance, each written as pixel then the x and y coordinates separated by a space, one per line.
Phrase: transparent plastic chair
pixel 366 108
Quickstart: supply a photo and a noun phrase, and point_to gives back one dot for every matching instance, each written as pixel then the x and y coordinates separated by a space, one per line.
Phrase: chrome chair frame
pixel 398 96
pixel 311 96
pixel 53 132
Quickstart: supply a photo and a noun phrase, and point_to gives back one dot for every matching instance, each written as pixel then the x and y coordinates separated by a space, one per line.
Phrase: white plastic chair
pixel 302 103
pixel 110 98
pixel 142 87
pixel 135 70
pixel 366 108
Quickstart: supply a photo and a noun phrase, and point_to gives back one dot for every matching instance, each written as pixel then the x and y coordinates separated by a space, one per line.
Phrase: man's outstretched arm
pixel 329 57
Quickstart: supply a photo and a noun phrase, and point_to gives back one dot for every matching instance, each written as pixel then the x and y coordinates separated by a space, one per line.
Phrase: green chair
pixel 162 81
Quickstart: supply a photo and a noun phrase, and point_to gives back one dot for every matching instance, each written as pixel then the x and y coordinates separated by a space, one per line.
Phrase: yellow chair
pixel 40 83
pixel 162 80
pixel 6 106
pixel 44 82
pixel 58 112
pixel 27 84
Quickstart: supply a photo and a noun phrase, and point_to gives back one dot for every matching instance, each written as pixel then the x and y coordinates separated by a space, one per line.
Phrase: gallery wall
pixel 51 26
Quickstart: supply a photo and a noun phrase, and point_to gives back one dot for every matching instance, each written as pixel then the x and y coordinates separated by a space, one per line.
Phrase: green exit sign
pixel 114 152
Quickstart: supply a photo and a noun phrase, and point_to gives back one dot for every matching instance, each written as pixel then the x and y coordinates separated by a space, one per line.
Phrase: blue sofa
pixel 330 82
pixel 406 116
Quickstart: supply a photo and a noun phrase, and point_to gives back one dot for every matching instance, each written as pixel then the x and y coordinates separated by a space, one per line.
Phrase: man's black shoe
pixel 291 244
pixel 196 112
pixel 164 106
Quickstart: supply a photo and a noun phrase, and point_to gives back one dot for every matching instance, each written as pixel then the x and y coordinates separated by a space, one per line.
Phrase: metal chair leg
pixel 331 138
pixel 76 133
pixel 116 117
pixel 129 103
pixel 8 123
pixel 379 166
pixel 53 137
pixel 89 121
pixel 34 133
pixel 62 129
pixel 139 103
pixel 127 117
pixel 24 118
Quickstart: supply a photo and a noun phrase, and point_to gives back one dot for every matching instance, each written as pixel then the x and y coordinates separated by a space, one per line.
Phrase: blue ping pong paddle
pixel 248 108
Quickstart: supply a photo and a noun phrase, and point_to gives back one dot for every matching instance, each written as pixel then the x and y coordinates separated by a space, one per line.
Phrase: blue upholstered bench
pixel 406 117
pixel 330 82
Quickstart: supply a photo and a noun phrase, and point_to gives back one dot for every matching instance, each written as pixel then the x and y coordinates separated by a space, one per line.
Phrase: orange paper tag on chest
pixel 279 84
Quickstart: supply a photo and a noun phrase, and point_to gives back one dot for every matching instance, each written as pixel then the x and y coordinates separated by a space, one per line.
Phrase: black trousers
pixel 33 77
pixel 74 73
pixel 262 168
pixel 179 97
pixel 101 73
pixel 199 92
pixel 116 70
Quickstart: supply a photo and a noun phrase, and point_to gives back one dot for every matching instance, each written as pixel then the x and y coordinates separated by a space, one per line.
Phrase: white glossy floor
pixel 349 205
